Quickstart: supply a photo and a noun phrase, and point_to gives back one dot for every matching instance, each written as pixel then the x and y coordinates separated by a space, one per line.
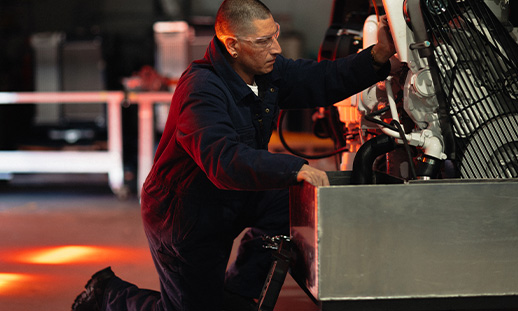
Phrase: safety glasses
pixel 264 42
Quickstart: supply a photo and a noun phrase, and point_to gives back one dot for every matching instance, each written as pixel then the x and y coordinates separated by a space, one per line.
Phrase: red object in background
pixel 147 79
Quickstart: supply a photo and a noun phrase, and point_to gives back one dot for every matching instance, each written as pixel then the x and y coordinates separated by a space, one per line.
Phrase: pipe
pixel 363 161
pixel 428 167
pixel 370 31
pixel 391 100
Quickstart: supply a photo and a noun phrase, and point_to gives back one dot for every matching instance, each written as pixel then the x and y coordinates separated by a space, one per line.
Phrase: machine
pixel 427 219
pixel 449 107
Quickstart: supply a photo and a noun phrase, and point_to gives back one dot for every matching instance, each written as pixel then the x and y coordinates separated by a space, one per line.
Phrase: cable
pixel 370 117
pixel 407 148
pixel 299 154
pixel 376 10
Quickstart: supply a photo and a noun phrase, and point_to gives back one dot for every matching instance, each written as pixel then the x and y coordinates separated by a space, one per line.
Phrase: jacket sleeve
pixel 207 133
pixel 307 83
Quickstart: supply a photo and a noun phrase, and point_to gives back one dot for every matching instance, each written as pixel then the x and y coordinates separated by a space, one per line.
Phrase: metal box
pixel 83 69
pixel 172 39
pixel 47 73
pixel 432 245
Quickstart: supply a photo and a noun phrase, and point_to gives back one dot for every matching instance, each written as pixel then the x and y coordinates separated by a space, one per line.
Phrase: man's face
pixel 258 49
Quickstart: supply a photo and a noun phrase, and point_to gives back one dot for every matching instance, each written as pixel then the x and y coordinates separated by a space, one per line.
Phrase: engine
pixel 449 107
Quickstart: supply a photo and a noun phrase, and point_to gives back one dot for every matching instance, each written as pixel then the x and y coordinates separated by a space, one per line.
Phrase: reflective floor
pixel 57 230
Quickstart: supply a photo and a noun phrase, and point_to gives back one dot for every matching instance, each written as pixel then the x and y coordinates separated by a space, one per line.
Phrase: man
pixel 213 175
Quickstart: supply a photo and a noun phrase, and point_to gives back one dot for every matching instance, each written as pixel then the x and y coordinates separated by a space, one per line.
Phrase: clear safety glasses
pixel 264 42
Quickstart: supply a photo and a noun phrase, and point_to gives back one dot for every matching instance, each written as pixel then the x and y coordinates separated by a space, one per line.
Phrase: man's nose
pixel 276 47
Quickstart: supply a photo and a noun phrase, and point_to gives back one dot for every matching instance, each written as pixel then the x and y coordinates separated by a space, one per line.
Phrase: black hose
pixel 300 154
pixel 364 160
pixel 370 117
pixel 428 166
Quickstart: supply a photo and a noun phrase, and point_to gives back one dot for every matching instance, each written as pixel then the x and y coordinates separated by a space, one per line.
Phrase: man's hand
pixel 313 176
pixel 384 49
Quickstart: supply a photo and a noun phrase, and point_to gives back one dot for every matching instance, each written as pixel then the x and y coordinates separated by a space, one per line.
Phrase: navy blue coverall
pixel 213 176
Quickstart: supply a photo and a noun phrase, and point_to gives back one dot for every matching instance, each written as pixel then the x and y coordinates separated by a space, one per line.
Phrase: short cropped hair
pixel 236 16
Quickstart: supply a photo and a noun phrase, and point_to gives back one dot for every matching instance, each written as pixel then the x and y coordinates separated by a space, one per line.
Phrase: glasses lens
pixel 266 42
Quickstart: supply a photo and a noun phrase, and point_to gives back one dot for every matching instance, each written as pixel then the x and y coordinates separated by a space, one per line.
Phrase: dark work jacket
pixel 217 131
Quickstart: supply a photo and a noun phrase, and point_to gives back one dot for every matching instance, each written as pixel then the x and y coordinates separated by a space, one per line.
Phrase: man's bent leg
pixel 120 295
pixel 270 217
pixel 190 246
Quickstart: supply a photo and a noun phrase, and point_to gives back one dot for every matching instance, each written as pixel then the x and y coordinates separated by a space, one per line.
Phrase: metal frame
pixel 109 161
pixel 146 145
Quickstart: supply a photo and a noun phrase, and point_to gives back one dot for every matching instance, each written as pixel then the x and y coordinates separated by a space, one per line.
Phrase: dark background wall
pixel 125 27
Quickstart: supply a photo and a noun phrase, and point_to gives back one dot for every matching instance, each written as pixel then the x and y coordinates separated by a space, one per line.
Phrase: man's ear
pixel 231 45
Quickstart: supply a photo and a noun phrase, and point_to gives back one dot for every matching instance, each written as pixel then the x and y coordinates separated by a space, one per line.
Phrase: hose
pixel 363 161
pixel 300 154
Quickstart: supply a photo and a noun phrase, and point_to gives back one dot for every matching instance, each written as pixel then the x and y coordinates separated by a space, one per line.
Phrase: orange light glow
pixel 74 254
pixel 11 280
pixel 63 254
pixel 6 278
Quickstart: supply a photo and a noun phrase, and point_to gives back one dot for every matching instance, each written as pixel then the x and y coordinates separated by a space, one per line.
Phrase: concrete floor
pixel 57 230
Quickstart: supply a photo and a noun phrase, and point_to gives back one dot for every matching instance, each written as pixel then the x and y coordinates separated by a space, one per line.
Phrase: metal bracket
pixel 279 269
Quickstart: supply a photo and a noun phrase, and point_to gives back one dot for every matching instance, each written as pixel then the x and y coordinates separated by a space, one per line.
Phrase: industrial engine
pixel 448 108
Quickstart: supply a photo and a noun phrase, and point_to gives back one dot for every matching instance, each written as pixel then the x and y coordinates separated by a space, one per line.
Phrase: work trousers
pixel 191 240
